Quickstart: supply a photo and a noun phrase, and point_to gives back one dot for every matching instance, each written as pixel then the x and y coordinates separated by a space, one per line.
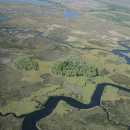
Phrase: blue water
pixel 2 18
pixel 68 14
pixel 67 0
pixel 13 31
pixel 115 52
pixel 41 3
pixel 11 11
pixel 119 52
pixel 7 11
pixel 30 119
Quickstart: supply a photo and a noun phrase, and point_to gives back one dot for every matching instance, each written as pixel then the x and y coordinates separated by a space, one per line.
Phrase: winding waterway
pixel 115 52
pixel 31 119
pixel 119 52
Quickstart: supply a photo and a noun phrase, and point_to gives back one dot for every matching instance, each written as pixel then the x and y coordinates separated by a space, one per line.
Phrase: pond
pixel 69 14
pixel 67 0
pixel 2 18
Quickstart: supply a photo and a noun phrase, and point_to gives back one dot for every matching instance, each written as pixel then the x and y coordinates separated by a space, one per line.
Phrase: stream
pixel 31 119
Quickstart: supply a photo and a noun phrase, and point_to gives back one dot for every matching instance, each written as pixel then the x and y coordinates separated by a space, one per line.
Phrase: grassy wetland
pixel 37 44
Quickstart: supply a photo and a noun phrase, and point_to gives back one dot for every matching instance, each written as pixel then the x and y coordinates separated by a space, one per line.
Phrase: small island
pixel 25 63
pixel 73 66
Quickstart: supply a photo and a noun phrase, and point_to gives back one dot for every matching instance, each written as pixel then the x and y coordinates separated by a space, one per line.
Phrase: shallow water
pixel 68 14
pixel 119 52
pixel 67 0
pixel 7 11
pixel 39 4
pixel 2 18
pixel 115 52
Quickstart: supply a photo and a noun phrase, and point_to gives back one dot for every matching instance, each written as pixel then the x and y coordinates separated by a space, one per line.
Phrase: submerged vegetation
pixel 73 67
pixel 25 63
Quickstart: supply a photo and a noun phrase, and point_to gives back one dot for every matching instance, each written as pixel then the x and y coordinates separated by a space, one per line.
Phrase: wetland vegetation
pixel 114 13
pixel 40 79
pixel 25 63
pixel 73 66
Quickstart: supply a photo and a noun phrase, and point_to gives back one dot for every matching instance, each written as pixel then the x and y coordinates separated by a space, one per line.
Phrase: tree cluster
pixel 73 67
pixel 25 63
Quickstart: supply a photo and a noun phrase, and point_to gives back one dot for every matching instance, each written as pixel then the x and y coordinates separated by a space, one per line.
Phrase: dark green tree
pixel 73 67
pixel 25 63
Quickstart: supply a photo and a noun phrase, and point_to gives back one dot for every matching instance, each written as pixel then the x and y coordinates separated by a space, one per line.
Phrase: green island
pixel 73 67
pixel 25 63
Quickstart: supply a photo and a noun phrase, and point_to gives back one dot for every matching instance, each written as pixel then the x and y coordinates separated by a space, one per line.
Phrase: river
pixel 31 119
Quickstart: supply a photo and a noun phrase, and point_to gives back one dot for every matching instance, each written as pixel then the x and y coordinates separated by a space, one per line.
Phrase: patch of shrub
pixel 73 67
pixel 25 63
pixel 104 72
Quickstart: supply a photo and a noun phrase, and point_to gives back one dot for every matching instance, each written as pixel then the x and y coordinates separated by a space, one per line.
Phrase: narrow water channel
pixel 30 120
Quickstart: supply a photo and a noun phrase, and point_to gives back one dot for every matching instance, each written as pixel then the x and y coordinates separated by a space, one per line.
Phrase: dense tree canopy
pixel 25 63
pixel 73 67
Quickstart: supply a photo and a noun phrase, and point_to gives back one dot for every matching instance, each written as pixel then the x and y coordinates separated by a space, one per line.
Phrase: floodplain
pixel 51 31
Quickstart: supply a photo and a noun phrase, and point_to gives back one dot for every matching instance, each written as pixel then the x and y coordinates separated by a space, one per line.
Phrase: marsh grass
pixel 34 76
